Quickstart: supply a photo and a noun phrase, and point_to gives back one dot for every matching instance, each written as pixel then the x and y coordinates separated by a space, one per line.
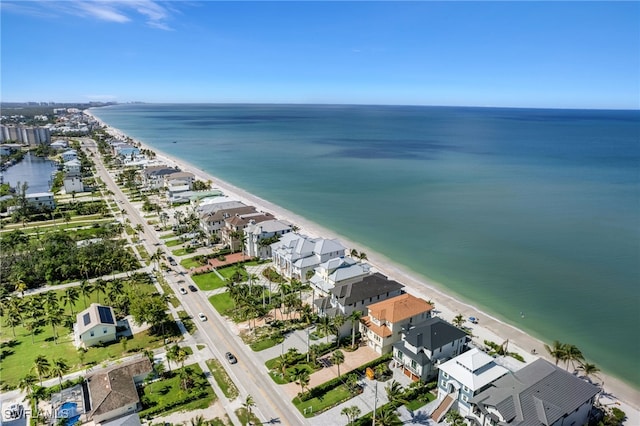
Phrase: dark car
pixel 192 287
pixel 231 358
pixel 172 261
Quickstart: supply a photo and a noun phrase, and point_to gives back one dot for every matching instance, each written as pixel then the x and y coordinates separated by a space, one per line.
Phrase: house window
pixel 91 333
pixel 104 330
pixel 445 375
pixel 413 364
pixel 466 389
pixel 465 398
pixel 443 383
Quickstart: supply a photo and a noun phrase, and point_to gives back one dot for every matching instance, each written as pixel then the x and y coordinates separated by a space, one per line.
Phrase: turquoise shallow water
pixel 511 209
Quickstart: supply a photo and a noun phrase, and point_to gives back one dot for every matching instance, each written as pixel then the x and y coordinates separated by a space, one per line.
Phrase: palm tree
pixel 100 286
pixel 355 319
pixel 41 366
pixel 301 376
pixel 353 253
pixel 181 356
pixel 53 317
pixel 458 320
pixel 588 370
pixel 86 289
pixel 394 392
pixel 557 351
pixel 338 322
pixel 157 257
pixel 324 325
pixel 363 256
pixel 387 417
pixel 70 297
pixel 248 404
pixel 38 393
pixel 59 368
pixel 21 286
pixel 352 413
pixel 573 355
pixel 27 382
pixel 172 354
pixel 198 421
pixel 13 320
pixel 337 358
pixel 281 364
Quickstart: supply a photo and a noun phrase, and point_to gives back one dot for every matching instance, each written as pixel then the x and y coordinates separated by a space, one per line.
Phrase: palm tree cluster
pixel 358 255
pixel 570 354
pixel 55 257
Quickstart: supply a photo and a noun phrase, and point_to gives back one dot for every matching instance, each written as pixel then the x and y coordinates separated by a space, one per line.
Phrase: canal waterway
pixel 36 171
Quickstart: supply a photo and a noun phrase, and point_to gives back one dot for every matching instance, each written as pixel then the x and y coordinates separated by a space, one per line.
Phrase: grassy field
pixel 190 262
pixel 208 281
pixel 223 303
pixel 19 352
pixel 183 251
pixel 313 406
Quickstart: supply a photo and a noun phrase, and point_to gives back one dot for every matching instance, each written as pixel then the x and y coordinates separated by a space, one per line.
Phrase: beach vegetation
pixel 223 380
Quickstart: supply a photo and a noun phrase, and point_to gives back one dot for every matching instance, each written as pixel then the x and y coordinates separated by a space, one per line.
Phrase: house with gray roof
pixel 339 270
pixel 95 325
pixel 462 378
pixel 423 348
pixel 295 254
pixel 539 394
pixel 259 236
pixel 113 393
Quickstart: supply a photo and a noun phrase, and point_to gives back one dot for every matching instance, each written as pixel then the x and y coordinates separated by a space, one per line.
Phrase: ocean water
pixel 513 210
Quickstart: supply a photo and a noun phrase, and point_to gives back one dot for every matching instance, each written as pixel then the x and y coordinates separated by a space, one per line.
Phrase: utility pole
pixel 375 405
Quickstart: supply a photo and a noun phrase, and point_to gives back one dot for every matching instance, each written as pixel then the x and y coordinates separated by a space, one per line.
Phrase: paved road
pixel 249 374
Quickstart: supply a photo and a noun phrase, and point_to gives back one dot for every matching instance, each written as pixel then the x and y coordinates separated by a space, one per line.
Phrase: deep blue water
pixel 511 209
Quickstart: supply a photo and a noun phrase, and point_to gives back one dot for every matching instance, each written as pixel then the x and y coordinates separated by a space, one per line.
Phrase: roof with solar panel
pixel 95 315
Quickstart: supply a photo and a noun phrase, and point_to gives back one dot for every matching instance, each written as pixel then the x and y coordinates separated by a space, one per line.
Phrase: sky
pixel 512 54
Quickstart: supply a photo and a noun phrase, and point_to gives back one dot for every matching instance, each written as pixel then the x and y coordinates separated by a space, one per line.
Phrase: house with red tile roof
pixel 387 320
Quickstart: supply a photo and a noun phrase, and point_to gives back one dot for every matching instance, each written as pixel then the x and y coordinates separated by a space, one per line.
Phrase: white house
pixel 59 144
pixel 463 377
pixel 295 254
pixel 41 200
pixel 69 155
pixel 73 166
pixel 339 270
pixel 260 236
pixel 73 183
pixel 95 325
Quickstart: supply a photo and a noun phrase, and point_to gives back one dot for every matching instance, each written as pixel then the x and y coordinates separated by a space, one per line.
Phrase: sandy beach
pixel 447 307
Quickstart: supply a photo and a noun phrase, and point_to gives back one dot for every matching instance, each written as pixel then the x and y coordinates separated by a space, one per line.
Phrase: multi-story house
pixel 153 176
pixel 72 183
pixel 213 220
pixel 339 270
pixel 73 166
pixel 462 378
pixel 69 155
pixel 259 236
pixel 386 320
pixel 41 200
pixel 232 234
pixel 538 394
pixel 295 254
pixel 423 347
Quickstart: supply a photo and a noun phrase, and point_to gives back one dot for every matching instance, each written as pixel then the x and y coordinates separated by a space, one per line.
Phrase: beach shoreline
pixel 489 327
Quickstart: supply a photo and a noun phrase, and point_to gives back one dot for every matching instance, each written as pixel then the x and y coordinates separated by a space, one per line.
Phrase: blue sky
pixel 527 54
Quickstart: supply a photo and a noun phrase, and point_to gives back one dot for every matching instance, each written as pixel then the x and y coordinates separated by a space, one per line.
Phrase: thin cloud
pixel 153 13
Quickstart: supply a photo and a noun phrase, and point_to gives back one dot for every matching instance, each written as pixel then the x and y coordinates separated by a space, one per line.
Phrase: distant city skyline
pixel 503 54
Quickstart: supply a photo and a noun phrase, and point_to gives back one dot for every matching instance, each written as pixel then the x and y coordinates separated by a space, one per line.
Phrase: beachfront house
pixel 336 271
pixel 213 220
pixel 295 254
pixel 41 200
pixel 462 378
pixel 258 237
pixel 385 321
pixel 94 326
pixel 538 394
pixel 424 347
pixel 152 177
pixel 178 186
pixel 232 234
pixel 113 393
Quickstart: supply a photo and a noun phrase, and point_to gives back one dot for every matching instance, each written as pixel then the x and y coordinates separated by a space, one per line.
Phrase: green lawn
pixel 183 251
pixel 228 272
pixel 173 243
pixel 167 236
pixel 316 405
pixel 19 353
pixel 222 379
pixel 167 396
pixel 208 281
pixel 267 343
pixel 223 303
pixel 190 262
pixel 417 403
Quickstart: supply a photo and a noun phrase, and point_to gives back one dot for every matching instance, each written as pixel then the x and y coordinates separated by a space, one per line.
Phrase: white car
pixel 202 316
pixel 182 290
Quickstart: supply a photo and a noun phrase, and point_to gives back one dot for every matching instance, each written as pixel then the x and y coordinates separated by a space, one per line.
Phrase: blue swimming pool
pixel 69 411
